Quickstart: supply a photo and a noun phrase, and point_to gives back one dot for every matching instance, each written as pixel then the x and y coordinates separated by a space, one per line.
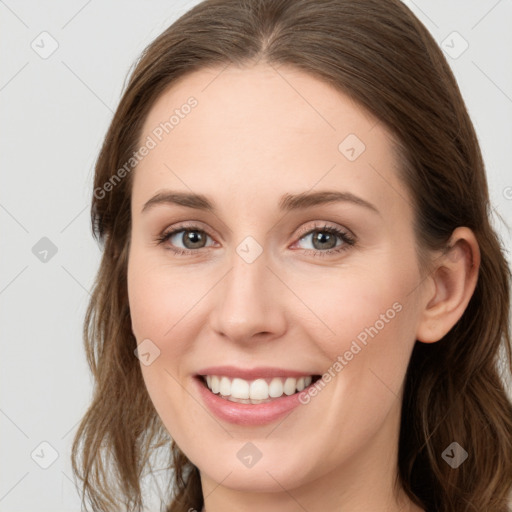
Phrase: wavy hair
pixel 379 54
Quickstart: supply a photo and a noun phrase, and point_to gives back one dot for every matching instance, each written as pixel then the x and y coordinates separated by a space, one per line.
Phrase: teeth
pixel 275 388
pixel 215 384
pixel 225 386
pixel 239 388
pixel 290 385
pixel 257 390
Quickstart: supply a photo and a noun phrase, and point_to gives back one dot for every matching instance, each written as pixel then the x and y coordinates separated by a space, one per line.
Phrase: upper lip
pixel 252 373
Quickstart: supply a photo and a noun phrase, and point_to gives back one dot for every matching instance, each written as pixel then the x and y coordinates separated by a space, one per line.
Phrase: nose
pixel 250 303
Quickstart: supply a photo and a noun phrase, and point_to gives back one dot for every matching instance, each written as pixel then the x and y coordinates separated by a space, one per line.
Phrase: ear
pixel 452 283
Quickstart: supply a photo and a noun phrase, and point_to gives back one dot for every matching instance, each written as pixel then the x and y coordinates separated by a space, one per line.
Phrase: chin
pixel 264 477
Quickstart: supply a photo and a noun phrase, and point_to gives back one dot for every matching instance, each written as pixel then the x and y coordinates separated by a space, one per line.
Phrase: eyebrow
pixel 288 202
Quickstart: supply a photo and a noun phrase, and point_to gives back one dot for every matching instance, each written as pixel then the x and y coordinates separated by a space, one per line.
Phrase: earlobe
pixel 454 278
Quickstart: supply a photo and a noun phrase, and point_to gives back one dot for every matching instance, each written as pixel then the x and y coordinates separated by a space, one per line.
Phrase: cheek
pixel 159 296
pixel 355 307
pixel 158 313
pixel 367 321
pixel 163 307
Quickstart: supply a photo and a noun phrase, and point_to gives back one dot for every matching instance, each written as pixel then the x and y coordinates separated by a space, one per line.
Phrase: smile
pixel 251 397
pixel 255 391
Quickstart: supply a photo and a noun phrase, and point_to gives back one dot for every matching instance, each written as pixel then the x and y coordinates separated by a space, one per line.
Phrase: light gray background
pixel 54 114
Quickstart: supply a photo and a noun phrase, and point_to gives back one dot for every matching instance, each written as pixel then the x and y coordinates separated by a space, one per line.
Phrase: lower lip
pixel 247 414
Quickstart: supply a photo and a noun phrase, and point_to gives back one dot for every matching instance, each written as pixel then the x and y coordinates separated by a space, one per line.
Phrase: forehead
pixel 260 131
pixel 263 99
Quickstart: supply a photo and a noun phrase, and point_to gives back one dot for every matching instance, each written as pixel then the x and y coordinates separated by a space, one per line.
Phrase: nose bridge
pixel 249 302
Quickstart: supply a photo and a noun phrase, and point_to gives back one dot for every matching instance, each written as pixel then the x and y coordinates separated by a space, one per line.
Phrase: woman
pixel 277 373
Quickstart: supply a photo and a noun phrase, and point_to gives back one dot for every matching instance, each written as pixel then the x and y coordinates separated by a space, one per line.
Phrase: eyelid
pixel 324 225
pixel 192 225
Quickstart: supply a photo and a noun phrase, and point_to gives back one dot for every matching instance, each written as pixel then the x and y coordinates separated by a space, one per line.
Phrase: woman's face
pixel 268 293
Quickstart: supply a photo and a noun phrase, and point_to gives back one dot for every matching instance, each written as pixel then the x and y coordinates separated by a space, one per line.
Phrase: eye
pixel 325 240
pixel 191 238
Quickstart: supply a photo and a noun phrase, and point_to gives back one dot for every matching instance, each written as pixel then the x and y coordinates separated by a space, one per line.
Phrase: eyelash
pixel 348 240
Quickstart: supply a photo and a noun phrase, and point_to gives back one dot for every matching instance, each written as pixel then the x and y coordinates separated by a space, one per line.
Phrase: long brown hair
pixel 378 53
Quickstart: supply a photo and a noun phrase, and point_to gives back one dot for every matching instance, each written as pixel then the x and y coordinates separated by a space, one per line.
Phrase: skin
pixel 258 133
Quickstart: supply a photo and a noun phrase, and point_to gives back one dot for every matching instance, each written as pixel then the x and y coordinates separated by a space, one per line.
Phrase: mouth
pixel 256 391
pixel 252 396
